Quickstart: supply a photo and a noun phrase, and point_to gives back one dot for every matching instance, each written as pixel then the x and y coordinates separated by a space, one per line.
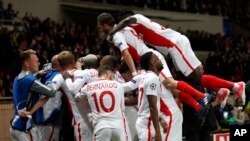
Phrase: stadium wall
pixel 38 8
pixel 186 21
pixel 174 20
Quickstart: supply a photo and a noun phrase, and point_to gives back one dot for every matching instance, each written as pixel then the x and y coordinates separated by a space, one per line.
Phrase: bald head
pixel 55 63
pixel 109 60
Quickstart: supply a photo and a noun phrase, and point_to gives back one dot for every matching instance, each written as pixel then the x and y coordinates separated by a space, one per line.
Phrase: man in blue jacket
pixel 26 90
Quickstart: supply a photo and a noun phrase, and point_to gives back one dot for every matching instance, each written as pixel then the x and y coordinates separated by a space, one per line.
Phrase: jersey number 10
pixel 100 100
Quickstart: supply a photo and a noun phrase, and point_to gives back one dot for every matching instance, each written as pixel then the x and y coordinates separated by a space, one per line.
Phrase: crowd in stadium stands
pixel 49 37
pixel 8 13
pixel 235 9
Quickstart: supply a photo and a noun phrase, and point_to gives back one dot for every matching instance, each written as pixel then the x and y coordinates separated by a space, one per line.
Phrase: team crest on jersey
pixel 153 86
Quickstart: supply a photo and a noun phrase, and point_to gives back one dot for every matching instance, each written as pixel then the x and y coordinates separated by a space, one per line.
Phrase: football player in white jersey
pixel 128 40
pixel 147 124
pixel 167 40
pixel 171 116
pixel 113 62
pixel 130 111
pixel 81 128
pixel 88 74
pixel 106 99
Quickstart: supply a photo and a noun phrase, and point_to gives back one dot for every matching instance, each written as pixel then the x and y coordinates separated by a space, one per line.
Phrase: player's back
pixel 136 45
pixel 153 33
pixel 90 75
pixel 106 100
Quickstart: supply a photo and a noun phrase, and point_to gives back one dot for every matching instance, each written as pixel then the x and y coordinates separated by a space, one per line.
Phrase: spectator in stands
pixel 10 14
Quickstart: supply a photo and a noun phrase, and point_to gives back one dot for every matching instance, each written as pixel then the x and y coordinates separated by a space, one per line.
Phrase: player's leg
pixel 144 134
pixel 186 93
pixel 118 134
pixel 210 81
pixel 87 120
pixel 103 134
pixel 80 131
pixel 131 116
pixel 21 136
pixel 172 115
pixel 169 82
pixel 184 57
pixel 44 132
pixel 180 87
pixel 126 130
pixel 187 63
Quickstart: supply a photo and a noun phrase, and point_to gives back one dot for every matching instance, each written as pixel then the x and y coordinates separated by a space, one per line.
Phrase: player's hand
pixel 79 65
pixel 78 97
pixel 158 137
pixel 164 125
pixel 40 73
pixel 109 38
pixel 24 114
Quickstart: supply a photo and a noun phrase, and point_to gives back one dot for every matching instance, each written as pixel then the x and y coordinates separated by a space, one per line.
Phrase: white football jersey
pixel 80 78
pixel 54 103
pixel 106 100
pixel 77 118
pixel 150 85
pixel 59 84
pixel 127 38
pixel 118 77
pixel 153 33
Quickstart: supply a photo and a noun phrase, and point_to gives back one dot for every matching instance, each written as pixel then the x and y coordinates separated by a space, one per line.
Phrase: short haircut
pixel 54 61
pixel 145 60
pixel 106 18
pixel 90 61
pixel 110 60
pixel 25 55
pixel 66 58
pixel 103 69
pixel 124 13
pixel 91 64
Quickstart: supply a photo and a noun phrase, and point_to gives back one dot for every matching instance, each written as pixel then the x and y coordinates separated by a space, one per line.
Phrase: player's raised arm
pixel 122 24
pixel 129 60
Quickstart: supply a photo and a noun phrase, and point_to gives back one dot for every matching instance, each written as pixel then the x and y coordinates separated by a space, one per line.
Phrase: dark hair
pixel 145 60
pixel 103 69
pixel 124 13
pixel 106 18
pixel 91 64
pixel 110 60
